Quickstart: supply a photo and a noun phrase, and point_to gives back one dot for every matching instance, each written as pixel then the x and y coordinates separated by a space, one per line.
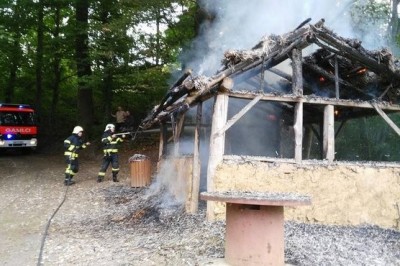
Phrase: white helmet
pixel 109 126
pixel 77 129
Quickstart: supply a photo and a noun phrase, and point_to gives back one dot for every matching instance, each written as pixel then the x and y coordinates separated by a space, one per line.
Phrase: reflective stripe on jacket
pixel 72 145
pixel 110 144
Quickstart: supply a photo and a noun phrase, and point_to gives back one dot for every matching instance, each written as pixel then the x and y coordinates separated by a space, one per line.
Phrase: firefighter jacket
pixel 72 146
pixel 110 144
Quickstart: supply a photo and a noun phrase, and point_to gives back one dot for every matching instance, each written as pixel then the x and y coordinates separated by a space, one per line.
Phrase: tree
pixel 39 55
pixel 114 59
pixel 83 65
pixel 12 21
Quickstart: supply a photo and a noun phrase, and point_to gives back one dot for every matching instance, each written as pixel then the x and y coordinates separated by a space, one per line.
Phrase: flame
pixel 362 70
pixel 321 79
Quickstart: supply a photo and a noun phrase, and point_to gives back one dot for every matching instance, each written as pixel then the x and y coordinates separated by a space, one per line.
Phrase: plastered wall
pixel 342 194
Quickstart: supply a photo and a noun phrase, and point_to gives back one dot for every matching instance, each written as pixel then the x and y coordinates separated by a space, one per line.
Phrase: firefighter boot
pixel 71 181
pixel 99 179
pixel 68 180
pixel 115 179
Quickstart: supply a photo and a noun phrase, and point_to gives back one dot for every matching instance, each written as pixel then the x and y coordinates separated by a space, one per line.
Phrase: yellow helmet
pixel 77 129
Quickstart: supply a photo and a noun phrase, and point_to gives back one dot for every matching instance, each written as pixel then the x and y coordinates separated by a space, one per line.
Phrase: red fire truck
pixel 18 127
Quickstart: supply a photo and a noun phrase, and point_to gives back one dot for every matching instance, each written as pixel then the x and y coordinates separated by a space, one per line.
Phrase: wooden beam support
pixel 298 132
pixel 177 133
pixel 308 137
pixel 163 143
pixel 195 188
pixel 217 145
pixel 350 52
pixel 329 133
pixel 337 78
pixel 241 113
pixel 386 118
pixel 316 100
pixel 297 85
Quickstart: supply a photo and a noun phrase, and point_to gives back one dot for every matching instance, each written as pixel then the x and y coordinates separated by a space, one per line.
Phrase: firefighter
pixel 110 149
pixel 73 144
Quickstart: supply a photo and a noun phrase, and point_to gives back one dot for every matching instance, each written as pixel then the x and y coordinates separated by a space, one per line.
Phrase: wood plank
pixel 386 118
pixel 240 114
pixel 315 100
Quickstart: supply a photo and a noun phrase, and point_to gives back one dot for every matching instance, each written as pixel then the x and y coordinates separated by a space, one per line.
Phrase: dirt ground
pixel 94 223
pixel 113 224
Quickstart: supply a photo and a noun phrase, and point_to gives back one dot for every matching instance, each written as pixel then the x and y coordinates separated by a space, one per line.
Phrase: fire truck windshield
pixel 17 118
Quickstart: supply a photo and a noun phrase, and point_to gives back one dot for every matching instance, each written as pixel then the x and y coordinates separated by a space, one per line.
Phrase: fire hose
pixel 133 135
pixel 54 213
pixel 48 226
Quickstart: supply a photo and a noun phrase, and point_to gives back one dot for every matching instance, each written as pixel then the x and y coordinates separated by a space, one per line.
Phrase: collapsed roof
pixel 338 62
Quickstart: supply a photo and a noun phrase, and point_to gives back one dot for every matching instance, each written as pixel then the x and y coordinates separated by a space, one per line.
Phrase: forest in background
pixel 75 61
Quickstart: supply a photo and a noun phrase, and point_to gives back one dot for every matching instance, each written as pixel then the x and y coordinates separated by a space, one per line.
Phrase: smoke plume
pixel 240 24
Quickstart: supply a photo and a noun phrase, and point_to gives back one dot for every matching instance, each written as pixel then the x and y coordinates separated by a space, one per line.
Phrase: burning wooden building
pixel 276 130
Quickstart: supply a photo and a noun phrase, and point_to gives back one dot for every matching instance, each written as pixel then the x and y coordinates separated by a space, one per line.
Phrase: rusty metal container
pixel 140 166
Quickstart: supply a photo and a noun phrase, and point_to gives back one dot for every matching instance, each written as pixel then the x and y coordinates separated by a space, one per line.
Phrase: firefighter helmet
pixel 109 126
pixel 77 129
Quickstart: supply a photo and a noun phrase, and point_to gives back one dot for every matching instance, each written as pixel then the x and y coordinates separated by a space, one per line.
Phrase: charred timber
pixel 275 54
pixel 271 51
pixel 386 70
pixel 173 91
pixel 332 77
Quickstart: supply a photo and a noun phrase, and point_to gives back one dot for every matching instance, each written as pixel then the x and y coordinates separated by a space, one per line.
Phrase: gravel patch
pixel 114 224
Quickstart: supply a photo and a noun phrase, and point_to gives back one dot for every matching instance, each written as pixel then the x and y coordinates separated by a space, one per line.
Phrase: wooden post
pixel 195 188
pixel 297 87
pixel 297 82
pixel 217 145
pixel 308 137
pixel 298 132
pixel 336 77
pixel 177 133
pixel 329 133
pixel 163 143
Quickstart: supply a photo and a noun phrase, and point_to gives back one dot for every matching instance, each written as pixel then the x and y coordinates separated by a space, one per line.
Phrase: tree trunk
pixel 9 91
pixel 39 57
pixel 394 22
pixel 108 86
pixel 56 67
pixel 15 55
pixel 107 61
pixel 85 93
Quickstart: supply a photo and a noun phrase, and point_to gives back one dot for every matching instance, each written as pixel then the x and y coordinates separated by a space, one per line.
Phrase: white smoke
pixel 167 186
pixel 241 24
